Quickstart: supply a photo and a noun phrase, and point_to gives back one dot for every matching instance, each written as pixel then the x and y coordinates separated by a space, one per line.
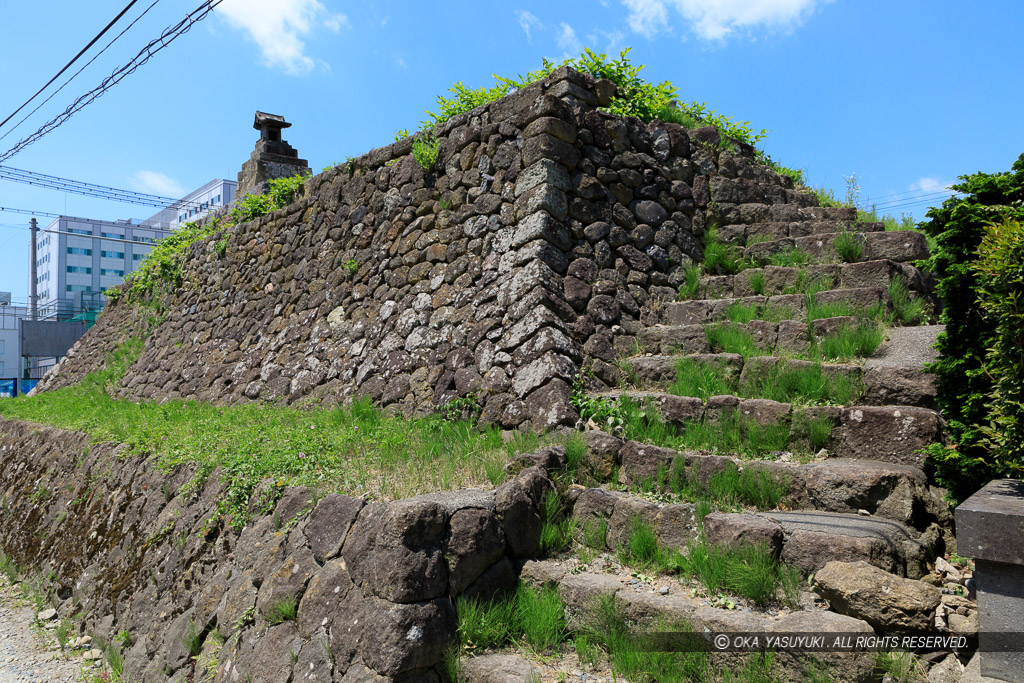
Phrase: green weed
pixel 757 283
pixel 691 283
pixel 530 615
pixel 849 246
pixel 640 546
pixel 281 611
pixel 747 570
pixel 851 341
pixel 703 380
pixel 907 310
pixel 425 149
pixel 728 338
pixel 789 258
pixel 802 384
pixel 556 527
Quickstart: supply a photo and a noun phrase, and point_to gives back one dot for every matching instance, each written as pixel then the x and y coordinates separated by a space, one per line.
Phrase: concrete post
pixel 33 285
pixel 990 528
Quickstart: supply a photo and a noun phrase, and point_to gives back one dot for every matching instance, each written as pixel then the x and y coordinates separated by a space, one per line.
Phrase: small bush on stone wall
pixel 425 149
pixel 282 192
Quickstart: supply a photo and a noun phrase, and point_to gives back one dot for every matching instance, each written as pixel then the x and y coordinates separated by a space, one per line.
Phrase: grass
pixel 721 258
pixel 529 616
pixel 851 341
pixel 802 384
pixel 783 382
pixel 731 433
pixel 757 283
pixel 728 338
pixel 556 527
pixel 792 257
pixel 283 610
pixel 702 380
pixel 691 282
pixel 356 450
pixel 849 246
pixel 907 310
pixel 901 667
pixel 730 488
pixel 747 570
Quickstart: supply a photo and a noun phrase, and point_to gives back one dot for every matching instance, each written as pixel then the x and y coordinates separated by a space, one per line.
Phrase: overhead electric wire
pixel 144 55
pixel 75 75
pixel 73 60
pixel 92 190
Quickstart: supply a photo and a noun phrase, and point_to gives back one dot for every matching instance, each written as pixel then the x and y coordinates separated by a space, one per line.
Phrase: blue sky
pixel 906 94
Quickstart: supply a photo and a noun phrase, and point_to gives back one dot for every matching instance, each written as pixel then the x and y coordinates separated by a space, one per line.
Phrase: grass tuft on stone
pixel 851 341
pixel 528 616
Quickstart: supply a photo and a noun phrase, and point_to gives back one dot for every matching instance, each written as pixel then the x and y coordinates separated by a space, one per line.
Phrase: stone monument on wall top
pixel 272 158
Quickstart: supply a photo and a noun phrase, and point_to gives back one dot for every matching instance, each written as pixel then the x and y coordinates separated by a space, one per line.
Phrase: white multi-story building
pixel 196 204
pixel 10 341
pixel 77 259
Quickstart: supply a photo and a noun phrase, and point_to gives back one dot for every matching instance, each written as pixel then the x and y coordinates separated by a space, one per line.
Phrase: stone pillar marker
pixel 990 528
pixel 272 158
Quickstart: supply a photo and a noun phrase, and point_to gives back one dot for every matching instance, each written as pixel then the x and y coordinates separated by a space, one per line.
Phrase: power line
pixel 68 65
pixel 75 75
pixel 91 189
pixel 30 213
pixel 154 46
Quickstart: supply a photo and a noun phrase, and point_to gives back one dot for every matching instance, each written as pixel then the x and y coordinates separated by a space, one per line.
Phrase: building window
pixel 79 231
pixel 79 251
pixel 113 235
pixel 111 271
pixel 80 269
pixel 137 257
pixel 191 212
pixel 79 288
pixel 138 238
pixel 112 254
pixel 182 217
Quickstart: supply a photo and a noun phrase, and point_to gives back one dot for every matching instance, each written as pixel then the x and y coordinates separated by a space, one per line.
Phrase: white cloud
pixel 155 182
pixel 929 184
pixel 717 19
pixel 568 41
pixel 528 21
pixel 647 17
pixel 279 26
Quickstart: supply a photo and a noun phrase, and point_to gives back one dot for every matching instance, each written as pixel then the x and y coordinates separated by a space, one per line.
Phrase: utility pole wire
pixel 75 75
pixel 73 60
pixel 165 39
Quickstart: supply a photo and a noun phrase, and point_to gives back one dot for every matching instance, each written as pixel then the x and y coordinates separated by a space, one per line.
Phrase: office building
pixel 195 204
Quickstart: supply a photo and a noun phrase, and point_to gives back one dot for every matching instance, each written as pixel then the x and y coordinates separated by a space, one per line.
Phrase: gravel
pixel 907 346
pixel 27 653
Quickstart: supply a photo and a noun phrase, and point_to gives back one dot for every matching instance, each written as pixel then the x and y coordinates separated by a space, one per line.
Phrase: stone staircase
pixel 858 493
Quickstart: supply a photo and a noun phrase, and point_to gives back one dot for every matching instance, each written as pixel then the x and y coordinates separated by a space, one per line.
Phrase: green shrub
pixel 281 193
pixel 425 149
pixel 964 383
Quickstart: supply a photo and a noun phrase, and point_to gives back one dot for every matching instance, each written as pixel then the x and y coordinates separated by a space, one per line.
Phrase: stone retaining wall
pixel 547 229
pixel 131 548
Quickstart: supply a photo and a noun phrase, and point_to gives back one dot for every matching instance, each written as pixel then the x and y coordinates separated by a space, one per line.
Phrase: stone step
pixel 784 213
pixel 893 434
pixel 647 607
pixel 875 384
pixel 892 491
pixel 895 245
pixel 787 336
pixel 777 279
pixel 786 306
pixel 741 234
pixel 807 539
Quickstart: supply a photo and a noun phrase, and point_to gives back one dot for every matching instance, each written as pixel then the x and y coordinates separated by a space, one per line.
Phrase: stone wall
pixel 547 232
pixel 131 548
